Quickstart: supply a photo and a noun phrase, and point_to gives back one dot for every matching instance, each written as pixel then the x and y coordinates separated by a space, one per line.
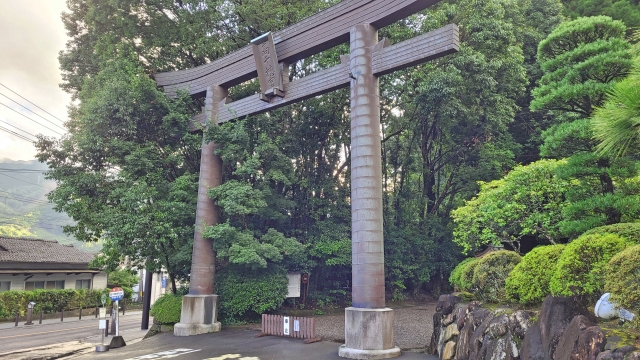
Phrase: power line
pixel 18 112
pixel 19 136
pixel 28 182
pixel 18 128
pixel 31 111
pixel 62 121
pixel 26 171
pixel 25 199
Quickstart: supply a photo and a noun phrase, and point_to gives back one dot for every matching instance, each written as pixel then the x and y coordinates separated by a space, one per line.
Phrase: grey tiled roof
pixel 40 251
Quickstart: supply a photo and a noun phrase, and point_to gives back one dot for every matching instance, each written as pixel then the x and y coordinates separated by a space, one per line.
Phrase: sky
pixel 32 36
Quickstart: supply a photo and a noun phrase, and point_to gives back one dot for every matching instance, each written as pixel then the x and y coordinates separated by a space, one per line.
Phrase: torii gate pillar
pixel 368 324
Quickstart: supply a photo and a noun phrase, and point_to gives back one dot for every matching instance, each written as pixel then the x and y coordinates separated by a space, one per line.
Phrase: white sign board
pixel 102 313
pixel 286 325
pixel 296 325
pixel 294 284
pixel 102 324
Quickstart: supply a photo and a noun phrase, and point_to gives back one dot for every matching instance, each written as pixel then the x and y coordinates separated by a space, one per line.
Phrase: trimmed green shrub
pixel 3 310
pixel 50 301
pixel 491 272
pixel 581 267
pixel 623 278
pixel 166 310
pixel 528 282
pixel 629 231
pixel 462 276
pixel 246 294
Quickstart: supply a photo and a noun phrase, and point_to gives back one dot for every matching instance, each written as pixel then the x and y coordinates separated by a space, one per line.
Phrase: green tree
pixel 127 170
pixel 123 277
pixel 616 123
pixel 581 60
pixel 528 201
pixel 628 11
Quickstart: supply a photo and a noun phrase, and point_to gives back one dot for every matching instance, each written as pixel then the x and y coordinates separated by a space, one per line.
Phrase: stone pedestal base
pixel 368 334
pixel 199 315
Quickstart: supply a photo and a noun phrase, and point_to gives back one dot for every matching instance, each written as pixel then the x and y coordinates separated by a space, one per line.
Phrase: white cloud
pixel 32 35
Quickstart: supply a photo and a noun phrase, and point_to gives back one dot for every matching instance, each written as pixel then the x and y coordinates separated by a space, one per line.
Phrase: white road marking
pixel 165 354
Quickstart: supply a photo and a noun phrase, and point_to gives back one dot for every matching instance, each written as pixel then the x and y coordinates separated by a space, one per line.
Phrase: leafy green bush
pixel 246 293
pixel 491 272
pixel 629 231
pixel 3 310
pixel 623 278
pixel 462 276
pixel 50 301
pixel 123 278
pixel 581 267
pixel 528 282
pixel 166 310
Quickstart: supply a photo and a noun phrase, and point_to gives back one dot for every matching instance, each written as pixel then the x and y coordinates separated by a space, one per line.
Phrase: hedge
pixel 491 272
pixel 246 294
pixel 166 310
pixel 623 278
pixel 581 267
pixel 528 282
pixel 629 231
pixel 462 276
pixel 51 301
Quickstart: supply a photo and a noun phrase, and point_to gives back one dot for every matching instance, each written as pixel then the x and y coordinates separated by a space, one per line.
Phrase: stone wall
pixel 563 330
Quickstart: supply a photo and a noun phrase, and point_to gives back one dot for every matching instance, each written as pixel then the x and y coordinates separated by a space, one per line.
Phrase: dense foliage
pixel 123 277
pixel 526 202
pixel 490 274
pixel 581 267
pixel 245 294
pixel 166 310
pixel 528 282
pixel 629 231
pixel 623 278
pixel 461 277
pixel 50 301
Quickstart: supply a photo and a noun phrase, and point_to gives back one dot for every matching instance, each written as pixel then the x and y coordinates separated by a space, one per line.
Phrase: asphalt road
pixel 230 344
pixel 51 333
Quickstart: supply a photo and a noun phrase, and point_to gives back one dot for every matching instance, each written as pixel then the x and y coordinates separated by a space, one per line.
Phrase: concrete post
pixel 199 308
pixel 368 324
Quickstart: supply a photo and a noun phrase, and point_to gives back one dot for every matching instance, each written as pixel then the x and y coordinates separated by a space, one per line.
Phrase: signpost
pixel 116 295
pixel 102 324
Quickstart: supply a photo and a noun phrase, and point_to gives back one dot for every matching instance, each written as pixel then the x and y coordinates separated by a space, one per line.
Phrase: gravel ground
pixel 413 325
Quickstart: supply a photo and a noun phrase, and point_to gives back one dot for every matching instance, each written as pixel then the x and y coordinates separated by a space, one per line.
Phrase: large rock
pixel 437 322
pixel 519 323
pixel 532 345
pixel 478 337
pixel 446 304
pixel 580 340
pixel 464 339
pixel 555 316
pixel 498 326
pixel 616 354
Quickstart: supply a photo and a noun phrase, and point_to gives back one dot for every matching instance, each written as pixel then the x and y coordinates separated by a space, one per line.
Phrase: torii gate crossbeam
pixel 368 324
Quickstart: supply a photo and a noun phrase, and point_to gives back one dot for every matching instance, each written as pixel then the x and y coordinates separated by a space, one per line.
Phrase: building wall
pixel 17 282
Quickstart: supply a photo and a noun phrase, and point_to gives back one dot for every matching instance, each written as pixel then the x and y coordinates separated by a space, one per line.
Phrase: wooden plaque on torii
pixel 268 58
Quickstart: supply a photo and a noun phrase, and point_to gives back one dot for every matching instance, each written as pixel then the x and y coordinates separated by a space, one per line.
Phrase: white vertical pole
pixel 117 318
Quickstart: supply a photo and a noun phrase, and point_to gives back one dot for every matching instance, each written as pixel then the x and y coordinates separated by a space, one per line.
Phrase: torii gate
pixel 368 323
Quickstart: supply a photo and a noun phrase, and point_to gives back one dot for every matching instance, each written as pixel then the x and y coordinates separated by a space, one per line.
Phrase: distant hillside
pixel 24 208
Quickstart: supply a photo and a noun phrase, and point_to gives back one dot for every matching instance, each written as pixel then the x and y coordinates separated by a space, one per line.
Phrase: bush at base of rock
pixel 491 272
pixel 528 282
pixel 629 231
pixel 462 276
pixel 623 278
pixel 581 267
pixel 166 310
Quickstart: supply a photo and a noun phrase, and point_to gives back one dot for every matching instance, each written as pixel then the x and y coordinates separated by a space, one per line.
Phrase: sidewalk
pixel 72 349
pixel 21 324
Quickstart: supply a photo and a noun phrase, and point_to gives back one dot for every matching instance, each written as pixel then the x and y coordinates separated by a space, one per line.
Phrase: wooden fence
pixel 290 326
